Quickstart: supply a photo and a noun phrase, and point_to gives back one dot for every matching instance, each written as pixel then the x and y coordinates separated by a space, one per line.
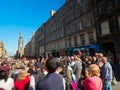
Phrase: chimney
pixel 52 12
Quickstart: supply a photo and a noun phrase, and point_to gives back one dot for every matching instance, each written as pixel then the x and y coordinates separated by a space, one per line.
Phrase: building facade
pixel 29 50
pixel 33 45
pixel 3 53
pixel 107 19
pixel 71 26
pixel 40 41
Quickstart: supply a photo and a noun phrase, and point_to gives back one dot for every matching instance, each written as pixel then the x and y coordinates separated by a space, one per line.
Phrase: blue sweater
pixel 106 71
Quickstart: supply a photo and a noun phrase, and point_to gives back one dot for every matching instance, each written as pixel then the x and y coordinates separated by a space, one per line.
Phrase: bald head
pixel 104 59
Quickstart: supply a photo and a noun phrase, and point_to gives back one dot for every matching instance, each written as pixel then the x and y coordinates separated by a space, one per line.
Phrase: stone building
pixel 3 53
pixel 107 20
pixel 29 50
pixel 69 29
pixel 72 26
pixel 40 41
pixel 33 45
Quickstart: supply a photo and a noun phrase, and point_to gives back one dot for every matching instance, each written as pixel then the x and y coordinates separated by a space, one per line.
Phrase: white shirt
pixel 8 85
pixel 32 83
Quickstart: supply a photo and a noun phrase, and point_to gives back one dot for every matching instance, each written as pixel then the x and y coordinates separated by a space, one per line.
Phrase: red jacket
pixel 22 85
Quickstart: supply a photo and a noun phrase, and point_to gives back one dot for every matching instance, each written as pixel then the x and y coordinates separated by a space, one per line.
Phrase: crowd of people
pixel 76 72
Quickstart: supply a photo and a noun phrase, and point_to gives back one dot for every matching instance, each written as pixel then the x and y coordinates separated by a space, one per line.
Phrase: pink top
pixel 93 83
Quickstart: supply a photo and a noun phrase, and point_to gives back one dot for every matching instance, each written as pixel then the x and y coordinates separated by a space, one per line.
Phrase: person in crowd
pixel 6 83
pixel 18 67
pixel 31 69
pixel 69 72
pixel 110 57
pixel 44 70
pixel 86 62
pixel 60 70
pixel 5 65
pixel 106 72
pixel 93 82
pixel 100 56
pixel 22 81
pixel 94 60
pixel 97 58
pixel 77 68
pixel 60 67
pixel 38 75
pixel 72 61
pixel 52 80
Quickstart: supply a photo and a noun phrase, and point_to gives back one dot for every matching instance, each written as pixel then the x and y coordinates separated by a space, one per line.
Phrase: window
pixel 81 25
pixel 102 7
pixel 73 28
pixel 66 43
pixel 82 36
pixel 87 8
pixel 119 22
pixel 68 32
pixel 77 13
pixel 117 2
pixel 91 37
pixel 105 28
pixel 75 41
pixel 69 41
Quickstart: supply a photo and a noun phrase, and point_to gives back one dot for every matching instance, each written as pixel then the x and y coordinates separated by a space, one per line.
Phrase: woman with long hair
pixel 22 81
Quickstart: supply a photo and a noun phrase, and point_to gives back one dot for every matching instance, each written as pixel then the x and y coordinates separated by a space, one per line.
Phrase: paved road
pixel 116 68
pixel 117 87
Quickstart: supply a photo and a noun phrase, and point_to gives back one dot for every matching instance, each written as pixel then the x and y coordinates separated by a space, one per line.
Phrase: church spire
pixel 20 34
pixel 20 46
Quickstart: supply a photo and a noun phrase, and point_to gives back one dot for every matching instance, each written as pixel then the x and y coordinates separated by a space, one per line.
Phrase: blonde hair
pixel 100 55
pixel 90 58
pixel 22 75
pixel 94 70
pixel 76 57
pixel 19 66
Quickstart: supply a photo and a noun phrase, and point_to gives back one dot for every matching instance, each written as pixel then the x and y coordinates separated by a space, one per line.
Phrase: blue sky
pixel 24 16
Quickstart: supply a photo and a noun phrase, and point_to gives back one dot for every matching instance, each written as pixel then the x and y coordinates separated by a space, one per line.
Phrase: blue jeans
pixel 107 85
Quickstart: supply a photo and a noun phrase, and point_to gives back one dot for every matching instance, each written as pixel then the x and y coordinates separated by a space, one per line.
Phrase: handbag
pixel 74 82
pixel 74 85
pixel 114 82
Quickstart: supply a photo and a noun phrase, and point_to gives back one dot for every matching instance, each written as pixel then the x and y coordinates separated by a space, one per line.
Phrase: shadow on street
pixel 116 69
